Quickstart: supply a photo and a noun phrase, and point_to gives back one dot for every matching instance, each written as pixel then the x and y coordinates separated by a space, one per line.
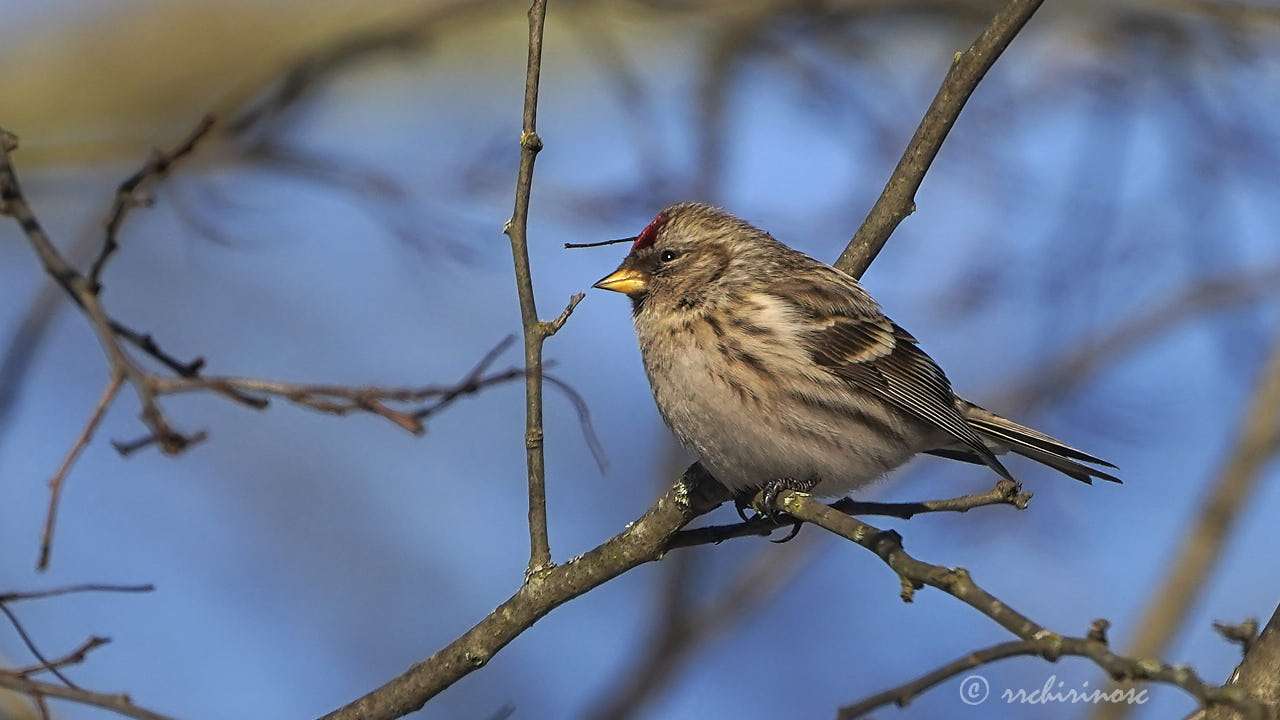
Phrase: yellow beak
pixel 625 281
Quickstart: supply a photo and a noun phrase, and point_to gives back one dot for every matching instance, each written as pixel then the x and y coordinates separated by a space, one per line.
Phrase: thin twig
pixel 129 197
pixel 72 658
pixel 1006 492
pixel 897 200
pixel 74 589
pixel 120 704
pixel 31 646
pixel 584 420
pixel 55 483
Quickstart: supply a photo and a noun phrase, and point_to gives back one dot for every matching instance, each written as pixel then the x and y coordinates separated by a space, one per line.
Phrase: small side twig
pixel 128 195
pixel 55 483
pixel 1243 634
pixel 74 657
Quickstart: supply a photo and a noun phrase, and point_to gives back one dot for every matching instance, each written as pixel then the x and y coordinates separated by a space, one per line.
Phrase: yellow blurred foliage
pixel 120 76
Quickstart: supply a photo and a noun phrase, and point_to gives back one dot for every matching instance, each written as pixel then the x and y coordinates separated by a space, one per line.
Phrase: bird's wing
pixel 847 335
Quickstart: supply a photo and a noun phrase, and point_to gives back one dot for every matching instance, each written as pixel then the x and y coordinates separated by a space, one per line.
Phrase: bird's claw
pixel 765 504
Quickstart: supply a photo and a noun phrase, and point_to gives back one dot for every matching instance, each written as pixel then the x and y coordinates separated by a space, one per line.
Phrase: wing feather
pixel 855 342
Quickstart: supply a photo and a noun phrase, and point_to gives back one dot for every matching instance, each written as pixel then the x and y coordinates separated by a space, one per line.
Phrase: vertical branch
pixel 898 199
pixel 535 331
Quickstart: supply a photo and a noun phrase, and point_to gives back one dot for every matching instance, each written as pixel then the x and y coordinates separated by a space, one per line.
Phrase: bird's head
pixel 682 256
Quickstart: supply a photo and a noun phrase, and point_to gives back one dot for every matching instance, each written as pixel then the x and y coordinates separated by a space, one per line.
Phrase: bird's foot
pixel 765 503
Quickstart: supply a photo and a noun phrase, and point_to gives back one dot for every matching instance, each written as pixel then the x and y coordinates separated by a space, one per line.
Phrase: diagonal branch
pixel 645 540
pixel 897 200
pixel 1036 639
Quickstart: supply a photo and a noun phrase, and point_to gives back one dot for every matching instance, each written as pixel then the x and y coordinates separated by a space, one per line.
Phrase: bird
pixel 780 372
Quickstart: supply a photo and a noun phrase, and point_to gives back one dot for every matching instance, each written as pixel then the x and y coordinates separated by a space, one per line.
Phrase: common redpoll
pixel 779 371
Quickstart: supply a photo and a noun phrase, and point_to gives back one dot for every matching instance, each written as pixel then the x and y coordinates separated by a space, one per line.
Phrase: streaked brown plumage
pixel 778 370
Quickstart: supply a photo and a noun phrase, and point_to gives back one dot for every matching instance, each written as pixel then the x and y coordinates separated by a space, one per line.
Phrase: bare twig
pixel 74 589
pixel 149 386
pixel 584 420
pixel 31 646
pixel 72 658
pixel 1006 492
pixel 55 483
pixel 128 194
pixel 1036 639
pixel 20 681
pixel 120 704
pixel 897 201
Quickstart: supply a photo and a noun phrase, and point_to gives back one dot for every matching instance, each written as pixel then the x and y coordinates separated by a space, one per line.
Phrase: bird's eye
pixel 667 256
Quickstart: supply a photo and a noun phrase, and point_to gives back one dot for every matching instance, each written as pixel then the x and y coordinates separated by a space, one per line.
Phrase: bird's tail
pixel 1002 434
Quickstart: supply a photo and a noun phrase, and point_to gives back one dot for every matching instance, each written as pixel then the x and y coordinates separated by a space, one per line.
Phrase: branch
pixel 72 658
pixel 645 540
pixel 129 197
pixel 535 331
pixel 20 681
pixel 1036 639
pixel 120 704
pixel 897 200
pixel 1006 492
